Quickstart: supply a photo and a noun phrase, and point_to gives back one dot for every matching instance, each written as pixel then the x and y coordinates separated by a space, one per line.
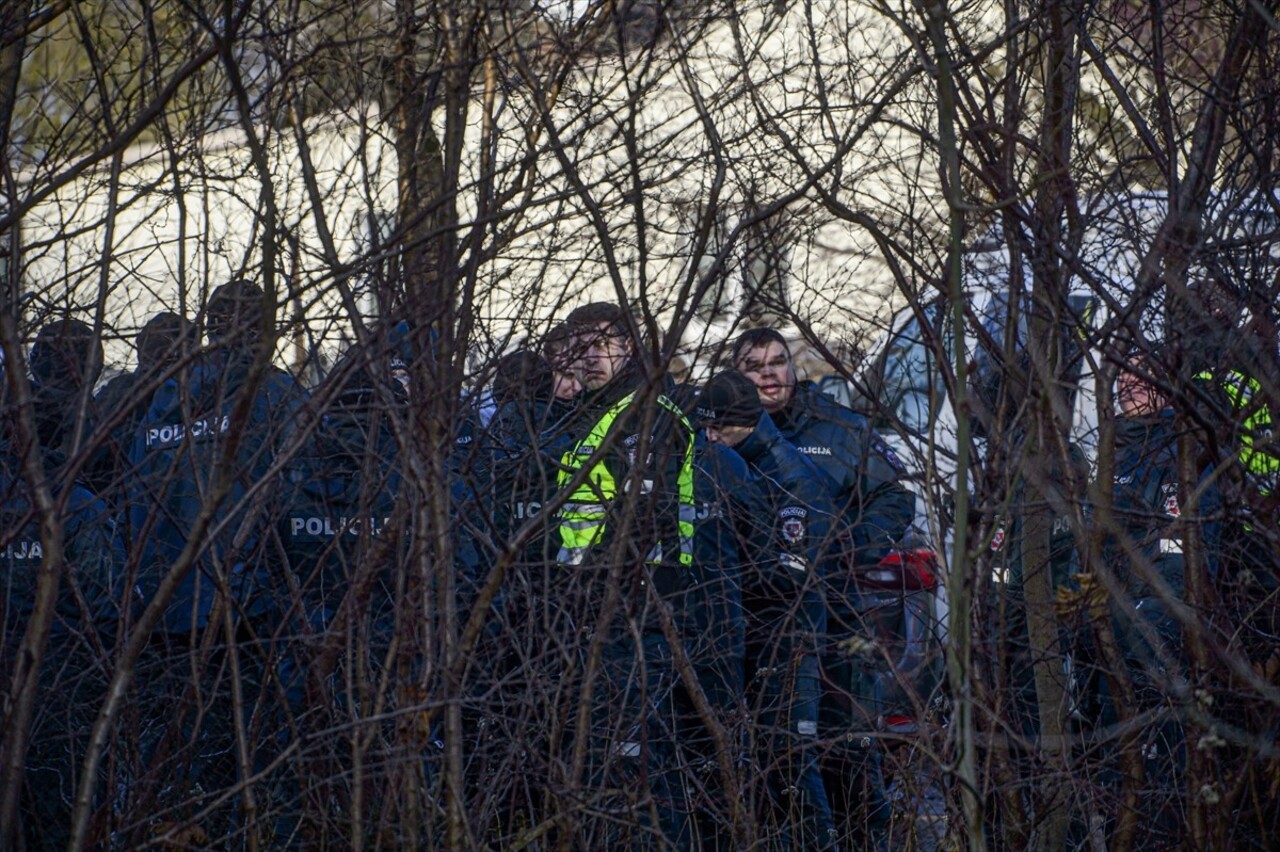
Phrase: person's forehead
pixel 1135 368
pixel 770 351
pixel 592 333
pixel 1130 382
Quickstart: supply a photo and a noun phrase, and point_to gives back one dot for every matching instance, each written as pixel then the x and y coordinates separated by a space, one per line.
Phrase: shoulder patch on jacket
pixel 793 530
pixel 889 455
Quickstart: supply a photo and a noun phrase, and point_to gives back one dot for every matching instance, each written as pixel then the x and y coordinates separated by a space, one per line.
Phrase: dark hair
pixel 523 375
pixel 159 339
pixel 1144 361
pixel 557 341
pixel 753 338
pixel 63 352
pixel 233 310
pixel 590 316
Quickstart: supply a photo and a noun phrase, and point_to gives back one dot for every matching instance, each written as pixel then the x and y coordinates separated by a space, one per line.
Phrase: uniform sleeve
pixel 285 398
pixel 880 507
pixel 804 532
pixel 672 442
pixel 95 554
pixel 807 531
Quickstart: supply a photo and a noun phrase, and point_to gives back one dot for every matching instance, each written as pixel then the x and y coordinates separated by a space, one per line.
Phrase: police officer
pixel 511 667
pixel 343 541
pixel 124 400
pixel 342 492
pixel 626 550
pixel 1234 364
pixel 76 655
pixel 66 359
pixel 874 510
pixel 1007 547
pixel 536 396
pixel 1145 550
pixel 730 504
pixel 863 473
pixel 783 602
pixel 206 453
pixel 184 439
pixel 527 436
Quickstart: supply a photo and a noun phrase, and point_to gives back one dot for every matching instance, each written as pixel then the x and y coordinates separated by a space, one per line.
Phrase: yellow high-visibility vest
pixel 582 520
pixel 1258 451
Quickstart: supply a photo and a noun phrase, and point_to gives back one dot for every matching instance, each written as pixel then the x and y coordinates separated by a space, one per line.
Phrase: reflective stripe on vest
pixel 582 520
pixel 1257 440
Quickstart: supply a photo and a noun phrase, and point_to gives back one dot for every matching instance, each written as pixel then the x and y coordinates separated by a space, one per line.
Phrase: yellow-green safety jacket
pixel 582 520
pixel 1258 452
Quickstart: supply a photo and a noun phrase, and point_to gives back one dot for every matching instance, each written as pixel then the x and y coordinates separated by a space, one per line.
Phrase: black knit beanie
pixel 729 399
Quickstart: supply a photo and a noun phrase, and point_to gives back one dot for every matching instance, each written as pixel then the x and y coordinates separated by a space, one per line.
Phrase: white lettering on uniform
pixel 708 510
pixel 23 549
pixel 173 433
pixel 325 526
pixel 815 451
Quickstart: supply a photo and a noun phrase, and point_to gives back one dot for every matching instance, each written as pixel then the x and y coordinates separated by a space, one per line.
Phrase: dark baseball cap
pixel 729 399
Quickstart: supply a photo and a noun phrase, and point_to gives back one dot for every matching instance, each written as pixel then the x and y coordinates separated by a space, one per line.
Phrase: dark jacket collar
pixel 625 382
pixel 1150 431
pixel 805 403
pixel 629 380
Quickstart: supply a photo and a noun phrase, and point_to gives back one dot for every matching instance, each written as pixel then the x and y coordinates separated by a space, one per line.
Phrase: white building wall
pixel 756 110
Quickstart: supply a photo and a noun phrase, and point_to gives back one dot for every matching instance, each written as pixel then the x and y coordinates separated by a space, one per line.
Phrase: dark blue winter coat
pixel 790 553
pixel 347 529
pixel 526 440
pixel 1150 541
pixel 862 473
pixel 864 480
pixel 341 496
pixel 1149 510
pixel 174 456
pixel 1007 539
pixel 93 550
pixel 731 505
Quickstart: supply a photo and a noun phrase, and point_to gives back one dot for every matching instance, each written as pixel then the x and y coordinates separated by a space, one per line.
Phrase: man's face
pixel 730 436
pixel 770 368
pixel 564 384
pixel 1136 396
pixel 564 381
pixel 602 353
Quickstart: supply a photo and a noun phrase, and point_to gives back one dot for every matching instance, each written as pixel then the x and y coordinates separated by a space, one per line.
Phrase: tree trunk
pixel 1055 213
